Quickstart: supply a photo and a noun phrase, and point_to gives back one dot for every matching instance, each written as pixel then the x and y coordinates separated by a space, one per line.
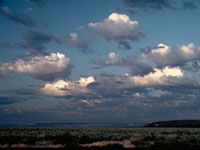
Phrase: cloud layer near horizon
pixel 160 77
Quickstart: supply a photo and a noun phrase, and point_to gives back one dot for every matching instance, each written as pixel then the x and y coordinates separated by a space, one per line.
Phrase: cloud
pixel 64 88
pixel 35 42
pixel 38 3
pixel 90 103
pixel 138 95
pixel 157 5
pixel 148 4
pixel 168 76
pixel 119 28
pixel 47 68
pixel 136 67
pixel 6 45
pixel 124 45
pixel 18 17
pixel 164 55
pixel 6 100
pixel 80 28
pixel 73 40
pixel 189 5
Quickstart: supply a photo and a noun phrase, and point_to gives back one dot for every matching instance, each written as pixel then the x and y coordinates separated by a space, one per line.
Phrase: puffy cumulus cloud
pixel 64 88
pixel 166 76
pixel 136 67
pixel 189 52
pixel 164 55
pixel 55 65
pixel 118 27
pixel 84 45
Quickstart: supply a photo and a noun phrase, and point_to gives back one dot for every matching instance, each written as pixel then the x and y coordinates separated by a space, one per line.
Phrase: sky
pixel 99 61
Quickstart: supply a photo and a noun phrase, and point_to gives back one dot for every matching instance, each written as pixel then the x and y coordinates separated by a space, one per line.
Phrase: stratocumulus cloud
pixel 136 67
pixel 119 28
pixel 48 67
pixel 160 77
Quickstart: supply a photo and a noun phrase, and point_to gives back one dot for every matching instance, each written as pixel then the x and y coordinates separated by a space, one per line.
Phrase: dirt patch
pixel 43 144
pixel 125 143
pixel 171 135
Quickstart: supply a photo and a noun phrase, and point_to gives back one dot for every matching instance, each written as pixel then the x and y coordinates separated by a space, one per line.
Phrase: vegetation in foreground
pixel 101 138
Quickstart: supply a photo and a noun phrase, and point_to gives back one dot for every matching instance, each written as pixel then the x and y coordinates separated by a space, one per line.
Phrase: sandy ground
pixel 125 143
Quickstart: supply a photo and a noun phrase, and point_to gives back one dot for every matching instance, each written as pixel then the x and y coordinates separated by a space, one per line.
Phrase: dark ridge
pixel 176 123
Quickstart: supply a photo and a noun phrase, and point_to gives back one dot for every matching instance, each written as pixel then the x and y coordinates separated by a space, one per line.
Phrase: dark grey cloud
pixel 6 100
pixel 189 5
pixel 38 3
pixel 18 17
pixel 157 5
pixel 7 45
pixel 148 4
pixel 124 45
pixel 35 42
pixel 136 67
pixel 82 44
pixel 59 75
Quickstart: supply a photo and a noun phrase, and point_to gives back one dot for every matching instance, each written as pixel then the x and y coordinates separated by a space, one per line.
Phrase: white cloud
pixel 164 55
pixel 189 52
pixel 64 88
pixel 91 103
pixel 117 27
pixel 137 95
pixel 166 76
pixel 73 37
pixel 112 58
pixel 44 68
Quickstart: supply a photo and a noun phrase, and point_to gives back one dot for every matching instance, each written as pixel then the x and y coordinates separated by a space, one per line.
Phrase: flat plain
pixel 100 138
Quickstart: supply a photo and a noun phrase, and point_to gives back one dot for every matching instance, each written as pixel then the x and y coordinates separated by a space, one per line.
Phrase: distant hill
pixel 176 123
